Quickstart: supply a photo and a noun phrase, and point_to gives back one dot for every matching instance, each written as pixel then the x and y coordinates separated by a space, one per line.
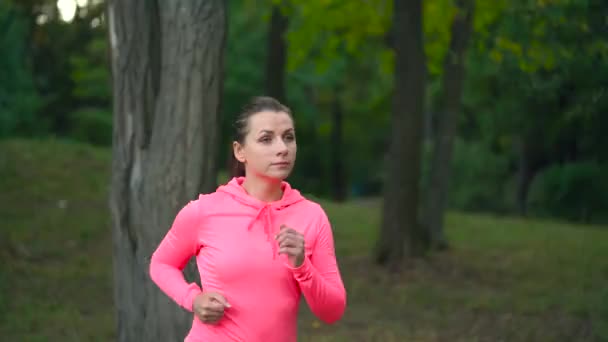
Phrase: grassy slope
pixel 505 279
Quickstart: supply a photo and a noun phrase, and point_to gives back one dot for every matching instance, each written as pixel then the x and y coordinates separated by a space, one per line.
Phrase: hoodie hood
pixel 264 211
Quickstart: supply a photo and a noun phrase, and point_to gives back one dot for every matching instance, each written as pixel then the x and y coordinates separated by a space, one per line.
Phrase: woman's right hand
pixel 209 307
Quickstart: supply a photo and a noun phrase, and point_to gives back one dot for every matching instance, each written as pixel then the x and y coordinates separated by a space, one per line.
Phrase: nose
pixel 281 148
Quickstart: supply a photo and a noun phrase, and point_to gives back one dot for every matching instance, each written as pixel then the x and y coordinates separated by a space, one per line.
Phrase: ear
pixel 237 149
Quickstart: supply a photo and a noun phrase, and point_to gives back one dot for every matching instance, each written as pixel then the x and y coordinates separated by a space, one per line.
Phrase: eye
pixel 290 137
pixel 265 139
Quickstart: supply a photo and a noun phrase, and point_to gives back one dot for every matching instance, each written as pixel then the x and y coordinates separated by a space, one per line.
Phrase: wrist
pixel 303 266
pixel 304 272
pixel 189 300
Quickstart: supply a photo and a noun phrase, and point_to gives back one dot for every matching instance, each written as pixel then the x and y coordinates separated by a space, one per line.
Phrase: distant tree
pixel 276 59
pixel 450 106
pixel 401 234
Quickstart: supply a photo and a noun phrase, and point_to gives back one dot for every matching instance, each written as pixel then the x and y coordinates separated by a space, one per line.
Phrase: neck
pixel 263 189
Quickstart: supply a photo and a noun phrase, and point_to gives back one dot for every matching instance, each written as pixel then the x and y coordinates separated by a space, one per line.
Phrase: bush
pixel 93 126
pixel 478 177
pixel 574 191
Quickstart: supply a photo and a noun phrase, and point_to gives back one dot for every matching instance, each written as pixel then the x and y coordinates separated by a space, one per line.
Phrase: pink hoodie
pixel 231 234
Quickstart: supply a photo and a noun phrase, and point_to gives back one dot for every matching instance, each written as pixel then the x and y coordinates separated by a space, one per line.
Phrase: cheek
pixel 257 154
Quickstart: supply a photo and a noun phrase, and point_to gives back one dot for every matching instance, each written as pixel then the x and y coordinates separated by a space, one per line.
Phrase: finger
pixel 206 316
pixel 289 234
pixel 281 232
pixel 282 238
pixel 287 230
pixel 291 242
pixel 293 251
pixel 214 307
pixel 290 231
pixel 211 315
pixel 218 298
pixel 211 318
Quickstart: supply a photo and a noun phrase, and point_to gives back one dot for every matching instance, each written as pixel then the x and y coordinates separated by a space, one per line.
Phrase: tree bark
pixel 167 78
pixel 453 77
pixel 277 55
pixel 400 232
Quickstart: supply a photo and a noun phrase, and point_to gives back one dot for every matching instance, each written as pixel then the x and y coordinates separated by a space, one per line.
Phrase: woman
pixel 259 244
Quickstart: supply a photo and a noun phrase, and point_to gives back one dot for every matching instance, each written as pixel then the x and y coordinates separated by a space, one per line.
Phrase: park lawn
pixel 504 279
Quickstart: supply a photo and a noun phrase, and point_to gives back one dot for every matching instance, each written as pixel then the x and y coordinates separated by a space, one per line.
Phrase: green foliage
pixel 244 69
pixel 478 180
pixel 437 16
pixel 91 73
pixel 474 169
pixel 68 60
pixel 574 191
pixel 91 125
pixel 91 122
pixel 535 72
pixel 527 77
pixel 325 30
pixel 18 97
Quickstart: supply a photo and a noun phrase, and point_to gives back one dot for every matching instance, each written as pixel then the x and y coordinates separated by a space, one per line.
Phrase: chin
pixel 278 176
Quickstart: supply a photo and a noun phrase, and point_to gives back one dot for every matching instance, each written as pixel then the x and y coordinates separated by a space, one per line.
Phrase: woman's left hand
pixel 291 242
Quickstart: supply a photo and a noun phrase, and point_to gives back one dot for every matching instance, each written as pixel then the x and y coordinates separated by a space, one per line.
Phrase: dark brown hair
pixel 241 125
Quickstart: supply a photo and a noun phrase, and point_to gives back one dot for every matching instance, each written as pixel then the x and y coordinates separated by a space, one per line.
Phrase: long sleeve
pixel 172 255
pixel 320 279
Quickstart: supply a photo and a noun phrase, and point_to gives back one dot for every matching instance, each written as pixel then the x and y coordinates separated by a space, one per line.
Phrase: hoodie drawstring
pixel 266 211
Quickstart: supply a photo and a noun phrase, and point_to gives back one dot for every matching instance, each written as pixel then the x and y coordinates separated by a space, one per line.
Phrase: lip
pixel 285 163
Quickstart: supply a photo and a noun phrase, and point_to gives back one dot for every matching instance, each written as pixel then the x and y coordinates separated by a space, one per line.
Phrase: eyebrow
pixel 289 130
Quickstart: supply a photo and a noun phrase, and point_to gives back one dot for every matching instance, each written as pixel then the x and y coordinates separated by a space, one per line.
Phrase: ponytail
pixel 237 169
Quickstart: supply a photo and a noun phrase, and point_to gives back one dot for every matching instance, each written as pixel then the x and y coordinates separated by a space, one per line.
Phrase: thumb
pixel 218 297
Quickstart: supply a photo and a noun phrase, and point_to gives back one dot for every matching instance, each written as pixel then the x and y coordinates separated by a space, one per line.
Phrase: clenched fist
pixel 209 307
pixel 291 242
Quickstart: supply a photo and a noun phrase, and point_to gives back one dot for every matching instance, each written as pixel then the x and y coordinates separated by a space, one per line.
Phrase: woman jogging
pixel 258 243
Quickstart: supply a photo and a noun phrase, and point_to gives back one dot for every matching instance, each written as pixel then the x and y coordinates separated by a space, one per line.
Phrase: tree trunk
pixel 453 76
pixel 524 179
pixel 277 52
pixel 400 232
pixel 533 157
pixel 337 152
pixel 167 78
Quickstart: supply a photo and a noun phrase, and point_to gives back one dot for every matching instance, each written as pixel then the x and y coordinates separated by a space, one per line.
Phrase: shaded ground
pixel 504 280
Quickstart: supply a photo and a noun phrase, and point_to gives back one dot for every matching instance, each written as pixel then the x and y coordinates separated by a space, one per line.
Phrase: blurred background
pixel 486 117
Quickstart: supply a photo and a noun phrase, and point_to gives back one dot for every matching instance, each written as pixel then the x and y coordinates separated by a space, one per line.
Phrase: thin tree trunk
pixel 532 159
pixel 167 77
pixel 524 179
pixel 533 156
pixel 453 77
pixel 277 52
pixel 401 234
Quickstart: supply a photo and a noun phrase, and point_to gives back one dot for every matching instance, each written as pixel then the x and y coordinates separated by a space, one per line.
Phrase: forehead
pixel 271 121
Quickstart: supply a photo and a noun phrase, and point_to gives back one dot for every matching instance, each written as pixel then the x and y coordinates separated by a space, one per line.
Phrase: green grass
pixel 504 279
